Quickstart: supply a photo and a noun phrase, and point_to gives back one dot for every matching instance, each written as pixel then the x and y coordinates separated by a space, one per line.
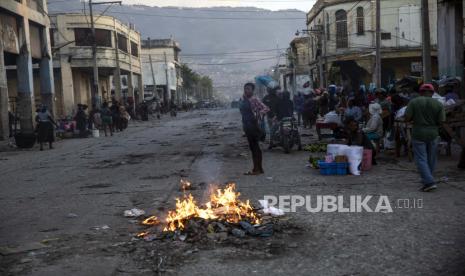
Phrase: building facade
pixel 161 68
pixel 342 44
pixel 26 74
pixel 451 42
pixel 118 61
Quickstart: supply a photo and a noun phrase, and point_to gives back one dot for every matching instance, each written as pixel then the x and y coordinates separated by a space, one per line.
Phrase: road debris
pixel 134 213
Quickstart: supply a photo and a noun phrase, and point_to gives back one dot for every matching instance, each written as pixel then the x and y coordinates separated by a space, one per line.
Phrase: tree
pixel 193 80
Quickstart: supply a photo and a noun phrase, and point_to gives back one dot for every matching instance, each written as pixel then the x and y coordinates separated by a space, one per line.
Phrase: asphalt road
pixel 61 210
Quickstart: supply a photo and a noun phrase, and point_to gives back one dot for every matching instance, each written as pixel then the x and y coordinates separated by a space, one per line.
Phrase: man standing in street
pixel 426 115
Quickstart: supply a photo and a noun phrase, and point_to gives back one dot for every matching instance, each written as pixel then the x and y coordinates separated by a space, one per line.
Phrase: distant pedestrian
pixel 271 100
pixel 107 119
pixel 299 106
pixel 81 120
pixel 45 131
pixel 252 110
pixel 427 115
pixel 309 111
pixel 11 122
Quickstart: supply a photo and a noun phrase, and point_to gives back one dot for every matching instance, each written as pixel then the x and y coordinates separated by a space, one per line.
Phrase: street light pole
pixel 95 90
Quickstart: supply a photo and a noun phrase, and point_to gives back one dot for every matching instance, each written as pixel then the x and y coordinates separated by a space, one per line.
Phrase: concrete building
pixel 451 42
pixel 164 72
pixel 297 78
pixel 26 75
pixel 342 45
pixel 118 58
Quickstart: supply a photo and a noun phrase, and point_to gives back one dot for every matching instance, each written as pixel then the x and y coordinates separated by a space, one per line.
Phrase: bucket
pixel 95 133
pixel 367 158
pixel 355 156
pixel 332 149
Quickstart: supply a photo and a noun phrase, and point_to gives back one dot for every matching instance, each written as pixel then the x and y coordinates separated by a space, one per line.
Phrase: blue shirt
pixel 354 112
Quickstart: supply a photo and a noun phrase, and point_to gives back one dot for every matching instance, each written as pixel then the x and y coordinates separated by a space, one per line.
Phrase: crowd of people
pixel 364 117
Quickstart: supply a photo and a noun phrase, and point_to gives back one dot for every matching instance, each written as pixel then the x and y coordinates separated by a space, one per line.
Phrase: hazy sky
pixel 304 5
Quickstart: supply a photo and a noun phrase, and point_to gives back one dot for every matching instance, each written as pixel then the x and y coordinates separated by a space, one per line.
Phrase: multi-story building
pixel 161 68
pixel 118 58
pixel 297 77
pixel 26 75
pixel 342 45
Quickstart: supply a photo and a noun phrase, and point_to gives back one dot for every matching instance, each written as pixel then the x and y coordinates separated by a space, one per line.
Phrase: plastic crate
pixel 341 168
pixel 327 168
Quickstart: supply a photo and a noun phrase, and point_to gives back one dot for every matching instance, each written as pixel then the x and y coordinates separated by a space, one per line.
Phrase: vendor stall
pixel 454 128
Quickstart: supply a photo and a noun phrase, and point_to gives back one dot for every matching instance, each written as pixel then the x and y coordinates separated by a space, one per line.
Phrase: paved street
pixel 67 204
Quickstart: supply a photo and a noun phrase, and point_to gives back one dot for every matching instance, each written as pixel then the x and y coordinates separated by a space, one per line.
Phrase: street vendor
pixel 374 126
pixel 356 137
pixel 426 115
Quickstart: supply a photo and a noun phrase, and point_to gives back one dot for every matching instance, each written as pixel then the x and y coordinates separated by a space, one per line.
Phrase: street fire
pixel 153 220
pixel 224 205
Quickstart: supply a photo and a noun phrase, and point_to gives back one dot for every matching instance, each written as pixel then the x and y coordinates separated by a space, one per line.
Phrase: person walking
pixel 107 120
pixel 252 110
pixel 81 120
pixel 45 123
pixel 426 115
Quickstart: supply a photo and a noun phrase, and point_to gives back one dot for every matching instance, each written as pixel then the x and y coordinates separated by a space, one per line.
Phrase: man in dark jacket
pixel 285 106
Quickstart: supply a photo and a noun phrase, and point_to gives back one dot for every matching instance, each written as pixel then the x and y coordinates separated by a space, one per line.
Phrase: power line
pixel 228 53
pixel 209 18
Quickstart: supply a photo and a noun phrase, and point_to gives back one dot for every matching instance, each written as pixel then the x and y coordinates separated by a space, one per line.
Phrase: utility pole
pixel 378 45
pixel 153 76
pixel 167 96
pixel 95 90
pixel 323 52
pixel 117 78
pixel 426 49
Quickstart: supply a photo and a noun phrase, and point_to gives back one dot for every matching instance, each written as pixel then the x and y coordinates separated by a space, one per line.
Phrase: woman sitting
pixel 374 127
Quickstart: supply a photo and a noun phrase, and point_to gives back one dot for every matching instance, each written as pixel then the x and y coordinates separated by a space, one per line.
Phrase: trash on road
pixel 270 210
pixel 134 213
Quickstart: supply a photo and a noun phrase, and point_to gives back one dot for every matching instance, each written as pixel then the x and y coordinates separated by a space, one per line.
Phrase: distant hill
pixel 214 35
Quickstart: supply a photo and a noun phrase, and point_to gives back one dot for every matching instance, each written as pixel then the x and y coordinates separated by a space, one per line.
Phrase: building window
pixel 328 32
pixel 385 36
pixel 134 49
pixel 360 21
pixel 341 29
pixel 83 37
pixel 122 43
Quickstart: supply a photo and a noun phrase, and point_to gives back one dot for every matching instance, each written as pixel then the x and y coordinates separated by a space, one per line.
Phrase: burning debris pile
pixel 223 213
pixel 224 223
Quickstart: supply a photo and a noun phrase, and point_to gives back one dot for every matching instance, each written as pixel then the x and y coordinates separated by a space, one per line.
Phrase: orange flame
pixel 153 220
pixel 224 205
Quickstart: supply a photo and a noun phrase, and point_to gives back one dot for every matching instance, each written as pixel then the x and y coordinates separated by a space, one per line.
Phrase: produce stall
pixel 454 129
